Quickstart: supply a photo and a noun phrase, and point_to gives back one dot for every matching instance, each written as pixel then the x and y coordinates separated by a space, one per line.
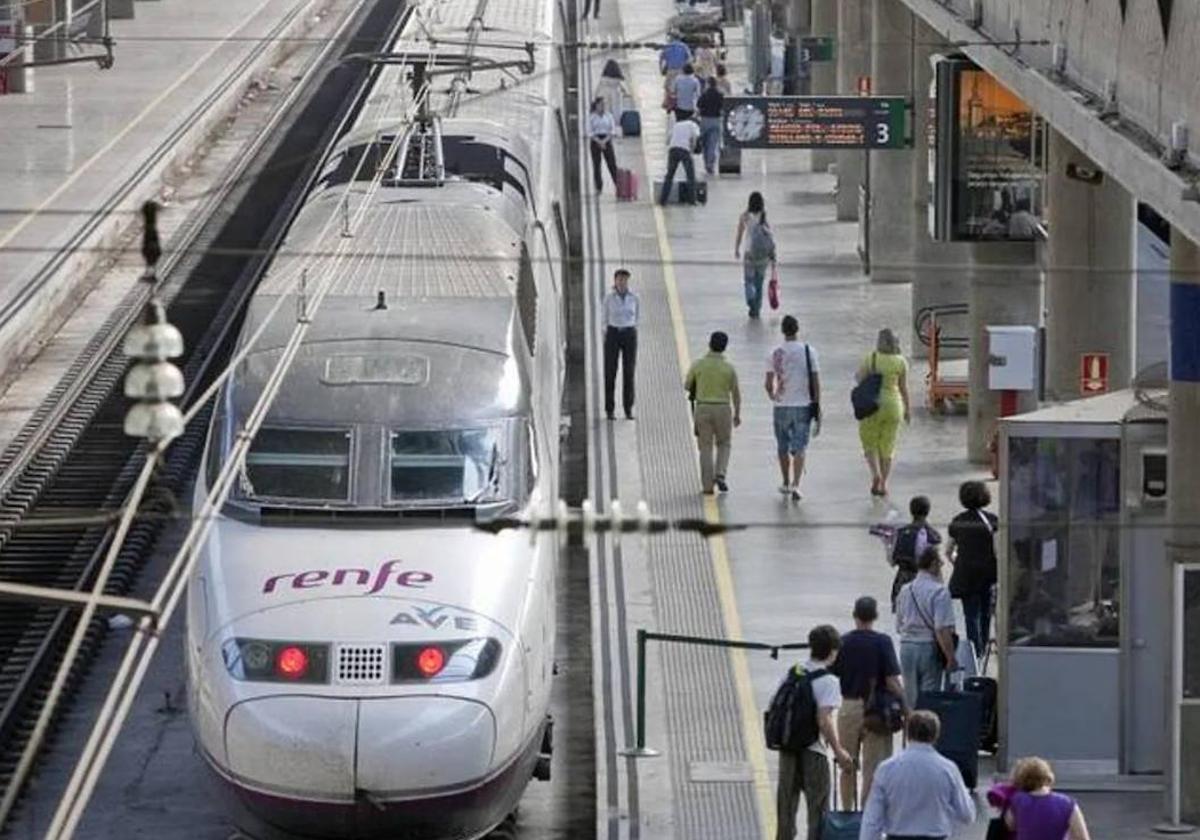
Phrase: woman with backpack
pixel 755 244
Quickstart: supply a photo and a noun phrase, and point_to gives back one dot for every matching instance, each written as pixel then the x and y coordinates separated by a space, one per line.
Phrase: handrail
pixel 925 313
pixel 639 750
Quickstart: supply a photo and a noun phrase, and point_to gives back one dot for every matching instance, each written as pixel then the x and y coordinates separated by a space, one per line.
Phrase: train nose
pixel 330 748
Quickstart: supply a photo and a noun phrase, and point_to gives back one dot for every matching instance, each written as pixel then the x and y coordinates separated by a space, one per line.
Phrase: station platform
pixel 87 146
pixel 797 564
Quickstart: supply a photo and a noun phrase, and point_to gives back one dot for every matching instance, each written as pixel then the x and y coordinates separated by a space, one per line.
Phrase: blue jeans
pixel 753 275
pixel 710 138
pixel 791 429
pixel 977 612
pixel 921 669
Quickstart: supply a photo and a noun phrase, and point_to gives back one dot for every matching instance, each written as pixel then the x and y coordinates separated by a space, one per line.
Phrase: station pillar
pixel 853 64
pixel 890 237
pixel 823 74
pixel 1089 270
pixel 1005 290
pixel 1183 512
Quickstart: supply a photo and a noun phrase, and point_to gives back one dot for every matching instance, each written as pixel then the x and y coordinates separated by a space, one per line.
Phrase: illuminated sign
pixel 816 122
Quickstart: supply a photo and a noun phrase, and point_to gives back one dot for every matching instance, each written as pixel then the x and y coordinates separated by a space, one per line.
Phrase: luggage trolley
pixel 943 390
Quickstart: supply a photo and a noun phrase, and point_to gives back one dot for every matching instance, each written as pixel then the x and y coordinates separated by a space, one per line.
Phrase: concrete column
pixel 1006 289
pixel 853 62
pixel 1089 262
pixel 1183 493
pixel 890 237
pixel 824 73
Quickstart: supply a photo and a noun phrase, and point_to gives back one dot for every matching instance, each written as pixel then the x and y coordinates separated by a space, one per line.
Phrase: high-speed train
pixel 361 661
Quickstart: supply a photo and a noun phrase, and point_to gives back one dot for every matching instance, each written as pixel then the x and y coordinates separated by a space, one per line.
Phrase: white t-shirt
pixel 790 366
pixel 684 135
pixel 601 125
pixel 827 691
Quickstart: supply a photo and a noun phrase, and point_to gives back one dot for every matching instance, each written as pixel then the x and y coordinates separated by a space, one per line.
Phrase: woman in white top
pixel 611 88
pixel 601 128
pixel 754 264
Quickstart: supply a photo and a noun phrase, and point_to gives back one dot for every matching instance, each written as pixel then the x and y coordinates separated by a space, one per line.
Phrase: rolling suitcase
pixel 685 194
pixel 960 713
pixel 730 161
pixel 631 123
pixel 987 689
pixel 627 185
pixel 837 824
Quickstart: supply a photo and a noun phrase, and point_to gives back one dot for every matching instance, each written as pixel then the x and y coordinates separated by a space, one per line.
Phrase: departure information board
pixel 816 122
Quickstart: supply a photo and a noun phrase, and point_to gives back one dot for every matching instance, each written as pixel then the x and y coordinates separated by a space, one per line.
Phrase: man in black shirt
pixel 866 666
pixel 709 107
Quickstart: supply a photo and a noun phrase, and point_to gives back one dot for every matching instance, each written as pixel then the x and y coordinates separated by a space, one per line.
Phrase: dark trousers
pixel 603 150
pixel 805 772
pixel 683 114
pixel 977 613
pixel 589 6
pixel 619 344
pixel 674 158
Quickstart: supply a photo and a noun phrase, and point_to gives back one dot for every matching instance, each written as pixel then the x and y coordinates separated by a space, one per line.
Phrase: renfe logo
pixel 350 577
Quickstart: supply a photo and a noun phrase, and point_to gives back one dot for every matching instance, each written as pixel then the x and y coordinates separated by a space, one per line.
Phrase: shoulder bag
pixel 773 289
pixel 814 407
pixel 865 395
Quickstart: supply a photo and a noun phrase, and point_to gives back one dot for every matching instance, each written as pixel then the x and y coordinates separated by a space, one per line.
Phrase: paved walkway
pixel 798 564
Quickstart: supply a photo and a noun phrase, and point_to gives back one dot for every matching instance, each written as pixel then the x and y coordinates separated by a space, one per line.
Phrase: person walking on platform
pixel 793 383
pixel 672 57
pixel 878 431
pixel 723 83
pixel 621 311
pixel 1032 810
pixel 601 130
pixel 910 543
pixel 973 552
pixel 686 91
pixel 807 771
pixel 710 104
pixel 682 140
pixel 918 794
pixel 925 622
pixel 868 671
pixel 755 244
pixel 712 385
pixel 612 89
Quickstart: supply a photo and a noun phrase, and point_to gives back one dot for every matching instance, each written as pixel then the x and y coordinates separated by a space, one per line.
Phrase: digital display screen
pixel 816 122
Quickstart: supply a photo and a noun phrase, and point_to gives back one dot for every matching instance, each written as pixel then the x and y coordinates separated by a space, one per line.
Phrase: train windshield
pixel 460 465
pixel 310 464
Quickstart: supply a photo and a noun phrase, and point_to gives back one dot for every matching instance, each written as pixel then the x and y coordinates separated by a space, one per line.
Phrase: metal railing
pixel 640 750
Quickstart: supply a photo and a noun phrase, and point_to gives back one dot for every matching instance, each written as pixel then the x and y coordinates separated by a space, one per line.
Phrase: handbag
pixel 814 407
pixel 773 292
pixel 865 395
pixel 939 654
pixel 883 711
pixel 998 828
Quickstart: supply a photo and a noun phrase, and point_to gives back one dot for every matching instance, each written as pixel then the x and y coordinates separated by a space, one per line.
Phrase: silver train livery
pixel 361 661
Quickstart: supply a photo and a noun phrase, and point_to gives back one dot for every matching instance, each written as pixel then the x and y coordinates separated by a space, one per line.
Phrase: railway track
pixel 73 458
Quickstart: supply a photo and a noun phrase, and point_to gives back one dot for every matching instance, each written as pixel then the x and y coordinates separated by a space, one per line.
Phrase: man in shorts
pixel 794 384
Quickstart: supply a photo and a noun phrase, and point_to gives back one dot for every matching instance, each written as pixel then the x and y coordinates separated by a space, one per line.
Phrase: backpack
pixel 761 243
pixel 790 722
pixel 908 546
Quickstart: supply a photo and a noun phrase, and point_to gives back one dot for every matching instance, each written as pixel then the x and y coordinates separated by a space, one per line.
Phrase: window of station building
pixel 300 464
pixel 1063 542
pixel 448 465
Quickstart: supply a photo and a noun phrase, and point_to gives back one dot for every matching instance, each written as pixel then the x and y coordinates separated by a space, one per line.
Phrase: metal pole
pixel 640 750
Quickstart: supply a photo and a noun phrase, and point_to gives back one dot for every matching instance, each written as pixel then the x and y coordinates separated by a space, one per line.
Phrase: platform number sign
pixel 816 122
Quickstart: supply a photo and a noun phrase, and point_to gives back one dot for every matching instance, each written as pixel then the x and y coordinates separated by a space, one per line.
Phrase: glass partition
pixel 1063 516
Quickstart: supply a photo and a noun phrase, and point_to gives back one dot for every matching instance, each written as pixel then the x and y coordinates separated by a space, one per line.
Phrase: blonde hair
pixel 1032 773
pixel 887 342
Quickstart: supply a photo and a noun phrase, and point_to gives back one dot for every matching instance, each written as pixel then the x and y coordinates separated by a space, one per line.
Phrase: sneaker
pixel 609 415
pixel 629 415
pixel 785 489
pixel 795 491
pixel 721 485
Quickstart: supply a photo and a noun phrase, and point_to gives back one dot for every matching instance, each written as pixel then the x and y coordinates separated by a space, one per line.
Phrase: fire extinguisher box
pixel 1012 358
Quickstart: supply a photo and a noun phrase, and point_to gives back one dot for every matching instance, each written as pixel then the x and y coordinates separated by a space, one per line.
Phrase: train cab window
pixel 453 465
pixel 303 464
pixel 527 300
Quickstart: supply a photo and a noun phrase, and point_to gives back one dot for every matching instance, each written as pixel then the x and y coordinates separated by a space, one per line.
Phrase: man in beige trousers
pixel 712 385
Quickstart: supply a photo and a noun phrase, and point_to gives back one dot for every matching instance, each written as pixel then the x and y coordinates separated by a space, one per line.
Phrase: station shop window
pixel 1063 542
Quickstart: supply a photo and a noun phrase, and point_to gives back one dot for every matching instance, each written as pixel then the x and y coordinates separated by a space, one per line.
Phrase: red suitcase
pixel 627 185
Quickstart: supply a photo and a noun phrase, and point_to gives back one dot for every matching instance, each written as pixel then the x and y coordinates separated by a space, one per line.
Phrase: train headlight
pixel 458 661
pixel 263 660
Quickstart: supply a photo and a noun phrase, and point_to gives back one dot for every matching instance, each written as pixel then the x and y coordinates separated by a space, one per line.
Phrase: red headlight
pixel 430 661
pixel 291 663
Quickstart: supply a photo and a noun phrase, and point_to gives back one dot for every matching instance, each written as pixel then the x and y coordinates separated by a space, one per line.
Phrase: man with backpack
pixel 800 717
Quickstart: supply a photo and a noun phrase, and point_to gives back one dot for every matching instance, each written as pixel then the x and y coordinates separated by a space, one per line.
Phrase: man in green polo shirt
pixel 713 385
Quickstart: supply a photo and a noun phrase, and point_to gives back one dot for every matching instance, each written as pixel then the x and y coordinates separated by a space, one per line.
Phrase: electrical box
pixel 1012 358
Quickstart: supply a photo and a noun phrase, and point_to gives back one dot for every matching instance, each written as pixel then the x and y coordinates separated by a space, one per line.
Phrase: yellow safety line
pixel 751 719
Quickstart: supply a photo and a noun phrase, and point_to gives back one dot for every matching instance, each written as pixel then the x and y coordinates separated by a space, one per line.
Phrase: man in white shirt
pixel 620 314
pixel 808 771
pixel 793 384
pixel 918 794
pixel 684 135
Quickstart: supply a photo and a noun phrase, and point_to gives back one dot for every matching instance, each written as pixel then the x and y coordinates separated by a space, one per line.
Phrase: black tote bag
pixel 865 396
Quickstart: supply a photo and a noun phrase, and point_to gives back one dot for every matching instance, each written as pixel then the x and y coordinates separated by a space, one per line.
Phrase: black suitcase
pixel 960 713
pixel 730 161
pixel 989 726
pixel 685 193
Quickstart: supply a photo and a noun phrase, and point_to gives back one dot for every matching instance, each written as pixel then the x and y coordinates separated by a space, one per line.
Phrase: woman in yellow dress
pixel 879 431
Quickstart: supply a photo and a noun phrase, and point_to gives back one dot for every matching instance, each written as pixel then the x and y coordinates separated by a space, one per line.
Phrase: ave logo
pixel 435 618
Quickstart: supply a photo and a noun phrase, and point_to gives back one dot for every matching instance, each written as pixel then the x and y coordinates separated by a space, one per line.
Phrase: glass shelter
pixel 1083 619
